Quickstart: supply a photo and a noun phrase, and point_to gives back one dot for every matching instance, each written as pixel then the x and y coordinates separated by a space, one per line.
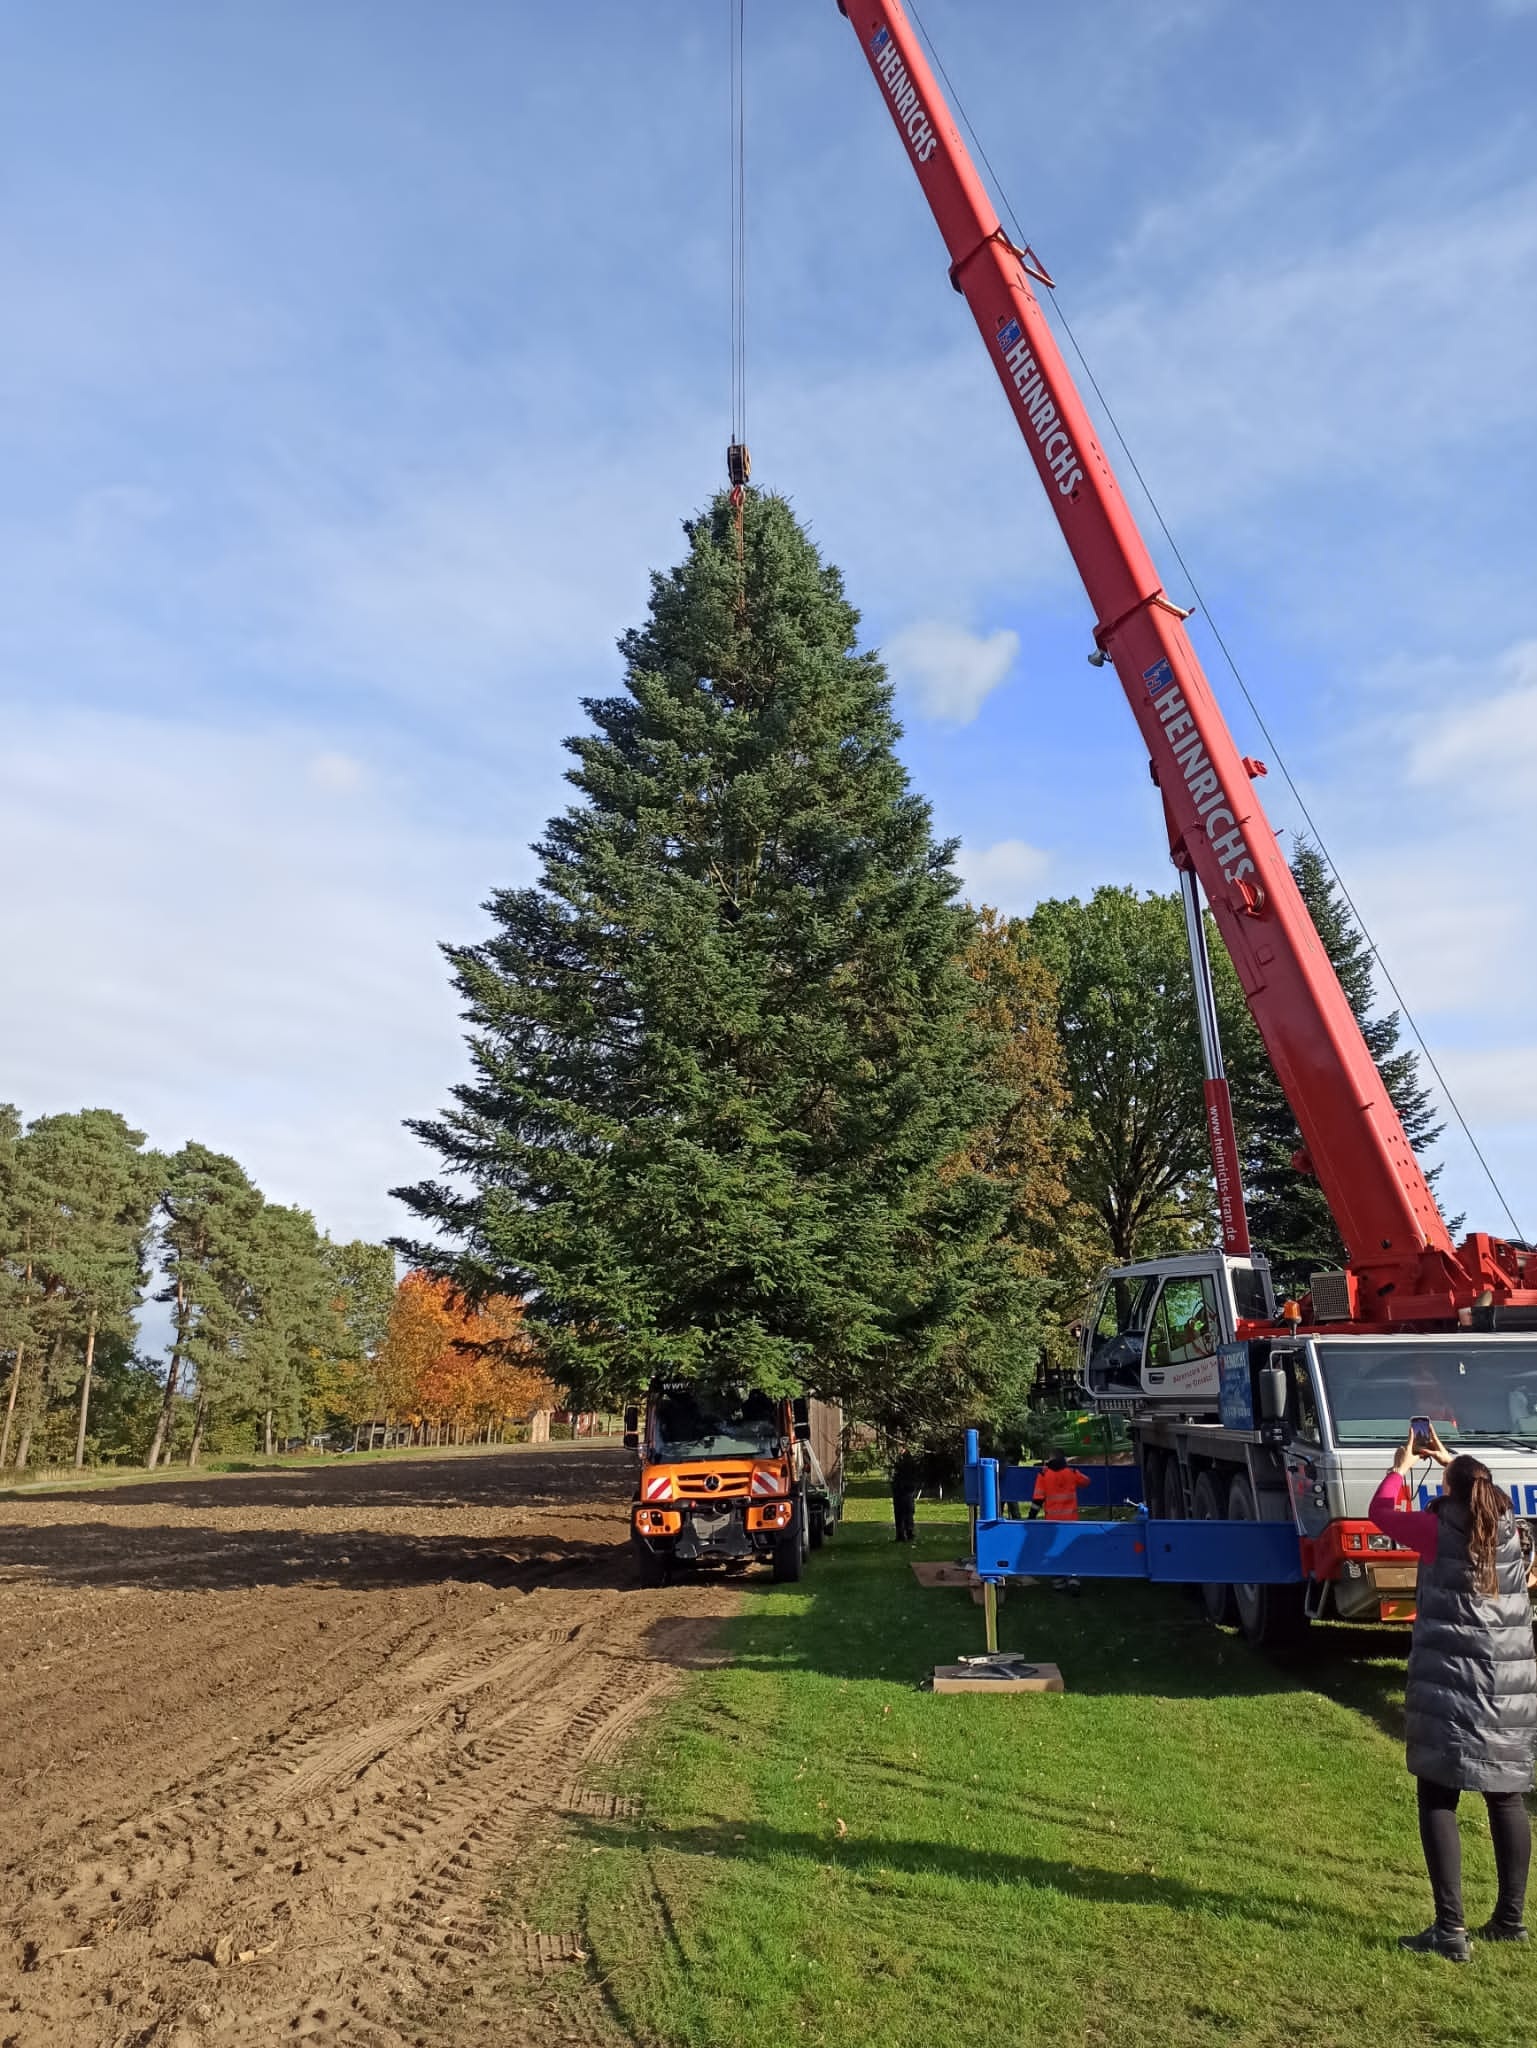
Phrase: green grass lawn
pixel 1190 1845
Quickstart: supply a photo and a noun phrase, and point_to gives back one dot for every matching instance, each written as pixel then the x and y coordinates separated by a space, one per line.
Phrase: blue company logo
pixel 1008 336
pixel 1429 1494
pixel 1158 678
pixel 880 39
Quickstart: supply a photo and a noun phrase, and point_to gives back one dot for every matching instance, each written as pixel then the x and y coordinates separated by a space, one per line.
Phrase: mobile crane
pixel 1240 1415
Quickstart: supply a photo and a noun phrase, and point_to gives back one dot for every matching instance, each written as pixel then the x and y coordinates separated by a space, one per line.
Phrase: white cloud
pixel 1437 844
pixel 1485 746
pixel 947 671
pixel 337 773
pixel 224 952
pixel 1006 876
pixel 1289 366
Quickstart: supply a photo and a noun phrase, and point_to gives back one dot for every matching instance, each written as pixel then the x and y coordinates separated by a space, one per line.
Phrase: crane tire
pixel 1218 1601
pixel 1271 1617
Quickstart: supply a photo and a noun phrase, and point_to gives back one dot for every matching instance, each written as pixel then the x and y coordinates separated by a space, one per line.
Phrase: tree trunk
pixel 24 1448
pixel 85 1394
pixel 199 1427
pixel 357 1434
pixel 168 1404
pixel 267 1431
pixel 10 1406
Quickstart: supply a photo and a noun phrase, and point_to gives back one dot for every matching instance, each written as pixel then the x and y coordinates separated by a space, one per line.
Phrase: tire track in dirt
pixel 320 1869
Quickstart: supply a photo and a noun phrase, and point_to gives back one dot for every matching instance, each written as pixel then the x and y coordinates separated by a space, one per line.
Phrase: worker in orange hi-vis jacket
pixel 1057 1487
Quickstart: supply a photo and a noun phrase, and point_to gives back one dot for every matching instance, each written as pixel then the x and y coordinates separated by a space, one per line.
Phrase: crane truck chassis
pixel 727 1477
pixel 1260 1445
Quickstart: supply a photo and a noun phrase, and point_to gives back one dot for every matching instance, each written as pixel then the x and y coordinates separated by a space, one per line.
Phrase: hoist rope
pixel 738 232
pixel 1374 951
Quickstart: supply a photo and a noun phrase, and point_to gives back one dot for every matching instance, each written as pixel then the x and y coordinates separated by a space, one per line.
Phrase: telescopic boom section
pixel 1404 1266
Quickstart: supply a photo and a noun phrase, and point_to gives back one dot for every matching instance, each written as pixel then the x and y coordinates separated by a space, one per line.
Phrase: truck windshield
pixel 1478 1390
pixel 691 1423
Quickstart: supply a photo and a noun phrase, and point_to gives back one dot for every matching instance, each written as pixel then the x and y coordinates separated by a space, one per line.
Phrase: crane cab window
pixel 1186 1323
pixel 1115 1342
pixel 1123 1310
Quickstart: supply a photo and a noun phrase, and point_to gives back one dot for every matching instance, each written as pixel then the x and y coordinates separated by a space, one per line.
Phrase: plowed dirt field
pixel 269 1741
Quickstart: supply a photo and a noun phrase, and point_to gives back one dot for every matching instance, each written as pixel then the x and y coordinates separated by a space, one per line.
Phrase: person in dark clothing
pixel 1471 1707
pixel 906 1485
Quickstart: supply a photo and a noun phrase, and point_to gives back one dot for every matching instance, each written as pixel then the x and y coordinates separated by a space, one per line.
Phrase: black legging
pixel 1510 1829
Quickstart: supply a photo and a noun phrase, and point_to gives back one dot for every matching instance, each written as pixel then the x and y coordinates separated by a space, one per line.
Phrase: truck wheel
pixel 1271 1617
pixel 1218 1601
pixel 790 1548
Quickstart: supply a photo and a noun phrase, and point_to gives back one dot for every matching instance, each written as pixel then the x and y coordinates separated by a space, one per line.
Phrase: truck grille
pixel 728 1486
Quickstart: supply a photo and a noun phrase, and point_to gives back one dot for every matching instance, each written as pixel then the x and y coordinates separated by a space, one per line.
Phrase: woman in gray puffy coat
pixel 1471 1710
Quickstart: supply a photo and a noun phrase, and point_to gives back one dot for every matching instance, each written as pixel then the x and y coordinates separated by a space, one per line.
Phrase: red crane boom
pixel 1404 1267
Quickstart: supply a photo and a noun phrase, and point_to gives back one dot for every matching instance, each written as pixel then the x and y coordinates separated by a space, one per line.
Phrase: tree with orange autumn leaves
pixel 446 1366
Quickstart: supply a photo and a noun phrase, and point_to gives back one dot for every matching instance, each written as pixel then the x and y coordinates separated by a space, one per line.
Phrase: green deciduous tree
pixel 292 1327
pixel 724 1058
pixel 363 1284
pixel 1125 1007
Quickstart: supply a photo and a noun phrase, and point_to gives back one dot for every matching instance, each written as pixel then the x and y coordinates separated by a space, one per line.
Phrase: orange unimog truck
pixel 727 1476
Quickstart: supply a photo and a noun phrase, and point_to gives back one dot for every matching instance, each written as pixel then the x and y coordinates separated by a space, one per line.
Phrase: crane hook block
pixel 738 465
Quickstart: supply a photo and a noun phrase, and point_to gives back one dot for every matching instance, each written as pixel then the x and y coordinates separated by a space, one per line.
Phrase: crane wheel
pixel 1271 1617
pixel 1218 1601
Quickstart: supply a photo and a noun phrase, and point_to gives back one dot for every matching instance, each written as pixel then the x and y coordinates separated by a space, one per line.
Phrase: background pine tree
pixel 1289 1219
pixel 725 1053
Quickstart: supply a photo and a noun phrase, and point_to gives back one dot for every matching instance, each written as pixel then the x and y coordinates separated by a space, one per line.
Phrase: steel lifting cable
pixel 738 461
pixel 1374 951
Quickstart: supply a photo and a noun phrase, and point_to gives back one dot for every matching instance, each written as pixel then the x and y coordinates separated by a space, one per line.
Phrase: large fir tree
pixel 725 1056
pixel 1289 1218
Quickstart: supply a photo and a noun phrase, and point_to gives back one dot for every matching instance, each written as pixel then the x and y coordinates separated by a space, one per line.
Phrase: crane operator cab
pixel 1157 1327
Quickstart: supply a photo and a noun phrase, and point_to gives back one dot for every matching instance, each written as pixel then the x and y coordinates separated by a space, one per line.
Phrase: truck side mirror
pixel 800 1419
pixel 632 1429
pixel 1273 1391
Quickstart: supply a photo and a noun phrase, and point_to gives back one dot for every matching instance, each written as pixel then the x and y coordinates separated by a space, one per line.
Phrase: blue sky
pixel 359 361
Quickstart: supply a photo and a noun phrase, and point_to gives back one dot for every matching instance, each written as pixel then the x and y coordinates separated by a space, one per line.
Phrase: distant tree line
pixel 276 1330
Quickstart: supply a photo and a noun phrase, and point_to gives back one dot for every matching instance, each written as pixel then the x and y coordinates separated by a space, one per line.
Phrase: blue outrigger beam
pixel 1168 1553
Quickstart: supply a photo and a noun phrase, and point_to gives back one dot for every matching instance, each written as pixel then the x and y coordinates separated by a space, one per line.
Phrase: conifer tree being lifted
pixel 726 1059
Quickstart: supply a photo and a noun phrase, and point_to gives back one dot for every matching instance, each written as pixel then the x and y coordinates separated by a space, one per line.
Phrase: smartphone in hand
pixel 1419 1432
